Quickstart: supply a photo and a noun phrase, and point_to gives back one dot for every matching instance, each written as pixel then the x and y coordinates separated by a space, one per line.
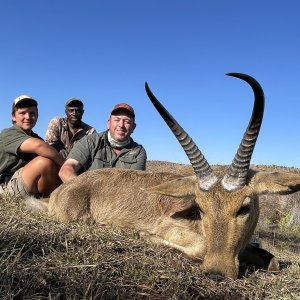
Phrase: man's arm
pixel 69 169
pixel 41 148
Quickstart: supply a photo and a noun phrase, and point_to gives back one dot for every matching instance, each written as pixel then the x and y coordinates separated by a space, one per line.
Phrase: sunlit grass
pixel 43 259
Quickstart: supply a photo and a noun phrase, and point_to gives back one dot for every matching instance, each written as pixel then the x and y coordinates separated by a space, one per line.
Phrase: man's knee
pixel 41 175
pixel 44 162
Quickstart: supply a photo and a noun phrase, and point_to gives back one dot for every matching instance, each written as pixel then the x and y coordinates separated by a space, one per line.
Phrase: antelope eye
pixel 243 210
pixel 198 213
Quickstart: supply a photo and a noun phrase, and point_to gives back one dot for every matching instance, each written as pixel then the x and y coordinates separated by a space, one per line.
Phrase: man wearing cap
pixel 28 165
pixel 113 148
pixel 64 132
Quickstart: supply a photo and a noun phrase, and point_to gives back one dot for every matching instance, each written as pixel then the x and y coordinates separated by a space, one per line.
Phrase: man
pixel 113 148
pixel 28 165
pixel 64 132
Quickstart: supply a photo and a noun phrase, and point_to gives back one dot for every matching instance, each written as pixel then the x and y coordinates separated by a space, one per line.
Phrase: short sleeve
pixel 82 151
pixel 13 138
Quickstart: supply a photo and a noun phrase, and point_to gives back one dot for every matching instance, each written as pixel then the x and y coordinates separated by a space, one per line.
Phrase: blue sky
pixel 104 51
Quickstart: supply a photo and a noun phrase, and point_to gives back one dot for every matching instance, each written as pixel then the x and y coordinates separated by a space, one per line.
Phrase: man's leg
pixel 40 176
pixel 14 186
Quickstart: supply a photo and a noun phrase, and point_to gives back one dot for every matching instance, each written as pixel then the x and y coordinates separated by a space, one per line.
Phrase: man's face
pixel 120 125
pixel 26 118
pixel 74 114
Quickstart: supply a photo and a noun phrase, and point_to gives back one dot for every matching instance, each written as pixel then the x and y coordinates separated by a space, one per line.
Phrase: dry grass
pixel 43 259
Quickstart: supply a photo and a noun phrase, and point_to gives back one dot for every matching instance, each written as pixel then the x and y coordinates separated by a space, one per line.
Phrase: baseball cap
pixel 70 101
pixel 24 100
pixel 123 106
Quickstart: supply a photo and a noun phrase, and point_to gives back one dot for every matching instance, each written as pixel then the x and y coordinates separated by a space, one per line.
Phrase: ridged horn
pixel 203 171
pixel 237 174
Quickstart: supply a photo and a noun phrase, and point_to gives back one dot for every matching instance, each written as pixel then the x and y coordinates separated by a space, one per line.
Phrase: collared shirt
pixel 58 135
pixel 95 152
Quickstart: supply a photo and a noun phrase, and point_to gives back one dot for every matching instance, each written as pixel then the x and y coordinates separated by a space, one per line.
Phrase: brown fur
pixel 213 226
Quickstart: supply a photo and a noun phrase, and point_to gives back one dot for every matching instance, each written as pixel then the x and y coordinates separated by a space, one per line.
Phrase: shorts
pixel 14 186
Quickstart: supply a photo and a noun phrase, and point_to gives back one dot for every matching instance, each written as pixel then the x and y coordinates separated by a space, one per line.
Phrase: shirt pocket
pixel 128 160
pixel 100 162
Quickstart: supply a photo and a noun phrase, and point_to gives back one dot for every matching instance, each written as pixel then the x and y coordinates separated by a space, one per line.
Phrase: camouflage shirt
pixel 59 136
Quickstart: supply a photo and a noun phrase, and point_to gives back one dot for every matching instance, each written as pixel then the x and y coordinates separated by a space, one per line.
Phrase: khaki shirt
pixel 95 152
pixel 58 135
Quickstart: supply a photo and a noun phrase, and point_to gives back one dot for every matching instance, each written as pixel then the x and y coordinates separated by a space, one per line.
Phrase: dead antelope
pixel 208 216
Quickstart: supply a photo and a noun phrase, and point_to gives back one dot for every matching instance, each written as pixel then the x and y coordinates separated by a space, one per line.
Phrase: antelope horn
pixel 204 173
pixel 237 173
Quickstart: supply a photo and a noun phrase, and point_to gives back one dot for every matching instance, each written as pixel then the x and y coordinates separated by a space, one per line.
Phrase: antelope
pixel 210 216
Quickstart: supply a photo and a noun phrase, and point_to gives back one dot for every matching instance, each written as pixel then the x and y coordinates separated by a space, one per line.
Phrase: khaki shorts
pixel 14 186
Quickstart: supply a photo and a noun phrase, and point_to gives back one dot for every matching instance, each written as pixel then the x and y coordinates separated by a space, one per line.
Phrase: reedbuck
pixel 207 216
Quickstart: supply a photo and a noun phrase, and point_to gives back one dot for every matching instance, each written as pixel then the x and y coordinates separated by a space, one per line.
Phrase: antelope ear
pixel 177 207
pixel 276 182
pixel 181 187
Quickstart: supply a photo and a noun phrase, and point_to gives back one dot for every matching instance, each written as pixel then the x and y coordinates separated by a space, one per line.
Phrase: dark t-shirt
pixel 10 159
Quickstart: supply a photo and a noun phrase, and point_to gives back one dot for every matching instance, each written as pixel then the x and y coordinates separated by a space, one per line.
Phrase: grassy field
pixel 44 259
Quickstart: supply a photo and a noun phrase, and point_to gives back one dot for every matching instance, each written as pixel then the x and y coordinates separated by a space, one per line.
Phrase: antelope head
pixel 228 204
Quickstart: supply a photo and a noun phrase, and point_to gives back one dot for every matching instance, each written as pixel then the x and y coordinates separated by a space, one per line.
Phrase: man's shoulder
pixel 58 121
pixel 134 144
pixel 35 135
pixel 87 128
pixel 15 134
pixel 13 130
pixel 86 145
pixel 5 130
pixel 94 137
pixel 6 133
